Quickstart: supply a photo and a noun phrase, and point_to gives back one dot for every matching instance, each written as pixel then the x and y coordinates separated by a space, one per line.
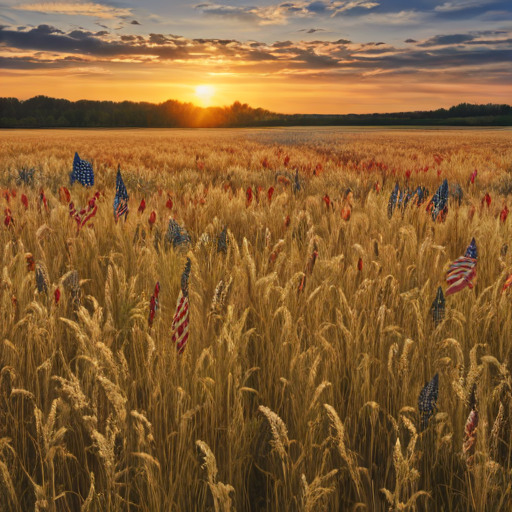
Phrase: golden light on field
pixel 205 93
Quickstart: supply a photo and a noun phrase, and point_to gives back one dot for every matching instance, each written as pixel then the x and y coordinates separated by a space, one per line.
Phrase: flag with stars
pixel 438 307
pixel 393 200
pixel 121 198
pixel 427 400
pixel 440 200
pixel 176 235
pixel 462 271
pixel 181 316
pixel 82 172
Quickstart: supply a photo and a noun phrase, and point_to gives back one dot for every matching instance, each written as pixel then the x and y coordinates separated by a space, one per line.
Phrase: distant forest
pixel 45 112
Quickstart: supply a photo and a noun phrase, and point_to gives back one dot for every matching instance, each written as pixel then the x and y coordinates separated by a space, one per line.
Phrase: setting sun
pixel 205 92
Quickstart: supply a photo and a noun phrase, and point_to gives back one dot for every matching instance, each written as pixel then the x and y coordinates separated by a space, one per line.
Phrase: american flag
pixel 462 271
pixel 153 305
pixel 427 400
pixel 41 278
pixel 440 200
pixel 181 316
pixel 222 242
pixel 176 235
pixel 296 182
pixel 82 172
pixel 437 308
pixel 121 198
pixel 392 201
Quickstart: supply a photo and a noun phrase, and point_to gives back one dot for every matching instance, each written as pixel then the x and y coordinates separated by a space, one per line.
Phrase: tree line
pixel 46 112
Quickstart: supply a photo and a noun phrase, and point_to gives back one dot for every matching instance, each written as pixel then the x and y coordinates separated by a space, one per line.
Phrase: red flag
pixel 153 305
pixel 152 219
pixel 248 196
pixel 504 214
pixel 142 206
pixel 270 193
pixel 8 221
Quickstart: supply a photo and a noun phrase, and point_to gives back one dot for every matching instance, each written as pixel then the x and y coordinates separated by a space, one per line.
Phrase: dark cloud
pixel 411 41
pixel 134 22
pixel 282 44
pixel 442 53
pixel 447 40
pixel 101 33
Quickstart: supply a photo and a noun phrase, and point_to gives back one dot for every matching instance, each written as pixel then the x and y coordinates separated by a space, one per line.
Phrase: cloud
pixel 45 47
pixel 447 40
pixel 462 5
pixel 134 22
pixel 410 41
pixel 279 14
pixel 77 9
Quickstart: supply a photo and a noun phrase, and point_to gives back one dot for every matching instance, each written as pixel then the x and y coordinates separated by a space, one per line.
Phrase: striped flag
pixel 82 172
pixel 121 198
pixel 437 308
pixel 427 400
pixel 440 200
pixel 462 271
pixel 153 305
pixel 181 316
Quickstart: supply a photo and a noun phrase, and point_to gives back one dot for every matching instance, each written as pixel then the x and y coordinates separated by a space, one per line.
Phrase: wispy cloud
pixel 77 9
pixel 462 5
pixel 279 14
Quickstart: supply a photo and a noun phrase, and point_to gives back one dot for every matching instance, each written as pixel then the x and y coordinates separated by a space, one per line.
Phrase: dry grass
pixel 282 401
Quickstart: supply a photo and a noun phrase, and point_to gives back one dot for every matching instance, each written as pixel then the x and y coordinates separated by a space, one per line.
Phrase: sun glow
pixel 205 93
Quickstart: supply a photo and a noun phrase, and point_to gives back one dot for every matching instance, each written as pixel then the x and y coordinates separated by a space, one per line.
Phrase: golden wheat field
pixel 310 337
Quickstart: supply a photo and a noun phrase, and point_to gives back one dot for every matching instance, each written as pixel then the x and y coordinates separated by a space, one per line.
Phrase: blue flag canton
pixel 428 399
pixel 176 235
pixel 392 200
pixel 438 307
pixel 471 251
pixel 82 172
pixel 440 199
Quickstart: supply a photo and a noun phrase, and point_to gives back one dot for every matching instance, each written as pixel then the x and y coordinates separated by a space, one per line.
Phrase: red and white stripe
pixel 180 323
pixel 460 275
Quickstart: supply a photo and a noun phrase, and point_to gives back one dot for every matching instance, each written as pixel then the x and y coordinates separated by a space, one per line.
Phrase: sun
pixel 205 93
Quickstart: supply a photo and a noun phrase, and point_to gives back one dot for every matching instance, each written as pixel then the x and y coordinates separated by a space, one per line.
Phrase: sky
pixel 321 56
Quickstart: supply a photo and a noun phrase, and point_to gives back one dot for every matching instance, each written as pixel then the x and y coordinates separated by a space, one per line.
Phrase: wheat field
pixel 291 394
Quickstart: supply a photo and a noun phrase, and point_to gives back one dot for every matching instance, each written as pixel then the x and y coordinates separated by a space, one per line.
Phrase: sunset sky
pixel 323 56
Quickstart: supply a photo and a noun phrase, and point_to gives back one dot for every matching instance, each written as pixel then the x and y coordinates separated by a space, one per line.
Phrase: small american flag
pixel 440 200
pixel 427 400
pixel 82 172
pixel 176 235
pixel 393 200
pixel 222 241
pixel 121 198
pixel 181 316
pixel 462 271
pixel 438 307
pixel 153 305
